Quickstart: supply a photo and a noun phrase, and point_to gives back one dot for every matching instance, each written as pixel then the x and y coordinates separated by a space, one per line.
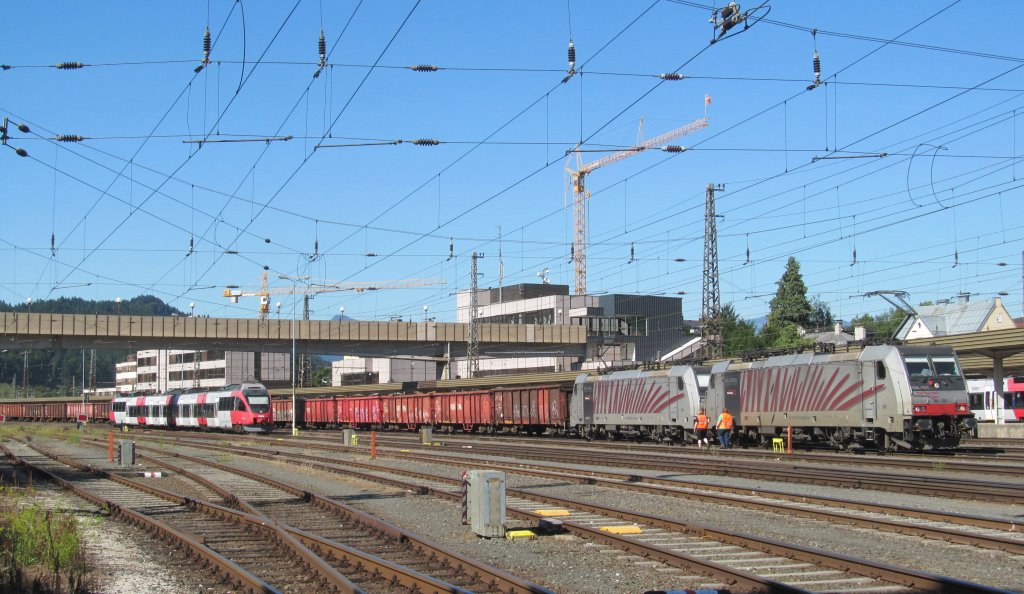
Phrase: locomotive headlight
pixel 961 408
pixel 919 409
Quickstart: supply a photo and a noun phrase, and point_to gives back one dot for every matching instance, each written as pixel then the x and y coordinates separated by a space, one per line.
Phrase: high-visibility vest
pixel 702 422
pixel 725 421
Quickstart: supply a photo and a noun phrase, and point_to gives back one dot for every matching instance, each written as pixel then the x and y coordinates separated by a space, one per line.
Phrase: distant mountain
pixel 56 371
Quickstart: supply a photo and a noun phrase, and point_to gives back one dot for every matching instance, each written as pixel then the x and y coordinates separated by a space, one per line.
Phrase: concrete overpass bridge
pixel 20 330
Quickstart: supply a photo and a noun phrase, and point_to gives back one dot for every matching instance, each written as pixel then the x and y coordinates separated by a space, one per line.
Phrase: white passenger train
pixel 988 407
pixel 237 407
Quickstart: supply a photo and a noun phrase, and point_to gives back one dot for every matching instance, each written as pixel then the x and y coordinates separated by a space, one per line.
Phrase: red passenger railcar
pixel 468 411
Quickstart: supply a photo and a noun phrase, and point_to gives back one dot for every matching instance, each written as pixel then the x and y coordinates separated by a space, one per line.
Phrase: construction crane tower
pixel 580 194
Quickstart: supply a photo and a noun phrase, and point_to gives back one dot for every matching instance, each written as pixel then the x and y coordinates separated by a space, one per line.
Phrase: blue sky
pixel 936 216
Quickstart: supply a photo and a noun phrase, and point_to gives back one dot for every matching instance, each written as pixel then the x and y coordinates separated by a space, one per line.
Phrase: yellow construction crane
pixel 580 194
pixel 233 292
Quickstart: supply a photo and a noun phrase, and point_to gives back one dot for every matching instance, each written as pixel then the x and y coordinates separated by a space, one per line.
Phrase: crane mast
pixel 580 194
pixel 264 293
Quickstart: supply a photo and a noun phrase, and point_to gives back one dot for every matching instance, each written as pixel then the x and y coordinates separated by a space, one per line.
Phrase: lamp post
pixel 425 309
pixel 341 310
pixel 294 280
pixel 118 302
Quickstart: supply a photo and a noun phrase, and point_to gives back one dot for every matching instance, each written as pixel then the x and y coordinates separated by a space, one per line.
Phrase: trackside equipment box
pixel 486 496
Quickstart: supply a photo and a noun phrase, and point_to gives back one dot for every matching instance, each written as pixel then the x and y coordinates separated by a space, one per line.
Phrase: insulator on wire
pixel 323 49
pixel 69 66
pixel 6 66
pixel 426 142
pixel 673 148
pixel 671 76
pixel 423 68
pixel 69 138
pixel 207 46
pixel 21 152
pixel 572 57
pixel 451 248
pixel 53 244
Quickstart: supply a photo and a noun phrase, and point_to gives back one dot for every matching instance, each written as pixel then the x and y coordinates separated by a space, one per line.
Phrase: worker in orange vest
pixel 724 426
pixel 700 427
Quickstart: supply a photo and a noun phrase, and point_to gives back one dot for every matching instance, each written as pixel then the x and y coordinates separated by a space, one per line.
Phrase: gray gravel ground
pixel 992 568
pixel 571 565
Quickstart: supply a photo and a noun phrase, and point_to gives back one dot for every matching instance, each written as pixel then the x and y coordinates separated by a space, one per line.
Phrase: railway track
pixel 339 523
pixel 738 560
pixel 994 463
pixel 394 565
pixel 773 470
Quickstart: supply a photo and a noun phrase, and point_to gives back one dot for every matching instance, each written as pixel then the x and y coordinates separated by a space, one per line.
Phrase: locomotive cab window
pixel 918 367
pixel 946 366
pixel 239 404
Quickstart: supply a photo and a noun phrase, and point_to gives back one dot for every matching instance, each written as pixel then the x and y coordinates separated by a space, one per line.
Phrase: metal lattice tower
pixel 92 370
pixel 711 308
pixel 473 344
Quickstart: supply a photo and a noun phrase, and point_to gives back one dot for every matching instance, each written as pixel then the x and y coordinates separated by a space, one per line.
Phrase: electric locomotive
pixel 889 397
pixel 659 405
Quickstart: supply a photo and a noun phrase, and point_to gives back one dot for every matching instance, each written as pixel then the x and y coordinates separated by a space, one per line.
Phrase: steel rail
pixel 162 530
pixel 487 574
pixel 328 574
pixel 740 497
pixel 301 540
pixel 908 577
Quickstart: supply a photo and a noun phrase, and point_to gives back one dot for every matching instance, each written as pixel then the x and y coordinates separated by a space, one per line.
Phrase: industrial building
pixel 157 370
pixel 622 330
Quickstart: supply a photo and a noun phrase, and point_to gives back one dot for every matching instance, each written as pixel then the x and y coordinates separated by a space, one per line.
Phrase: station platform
pixel 1004 431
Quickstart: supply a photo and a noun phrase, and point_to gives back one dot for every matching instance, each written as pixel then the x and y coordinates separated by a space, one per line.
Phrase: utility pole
pixel 305 363
pixel 711 307
pixel 473 344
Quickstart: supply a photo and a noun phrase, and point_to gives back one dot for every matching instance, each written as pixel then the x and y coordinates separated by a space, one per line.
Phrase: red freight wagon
pixel 321 412
pixel 282 412
pixel 409 410
pixel 465 410
pixel 533 408
pixel 94 411
pixel 360 412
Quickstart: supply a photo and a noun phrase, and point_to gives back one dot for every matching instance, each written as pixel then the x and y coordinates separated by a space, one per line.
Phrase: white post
pixel 294 411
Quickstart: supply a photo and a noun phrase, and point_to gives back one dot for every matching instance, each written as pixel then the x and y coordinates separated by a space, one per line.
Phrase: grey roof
pixel 944 319
pixel 839 338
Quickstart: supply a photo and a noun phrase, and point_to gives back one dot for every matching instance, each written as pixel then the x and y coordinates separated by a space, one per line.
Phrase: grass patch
pixel 41 550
